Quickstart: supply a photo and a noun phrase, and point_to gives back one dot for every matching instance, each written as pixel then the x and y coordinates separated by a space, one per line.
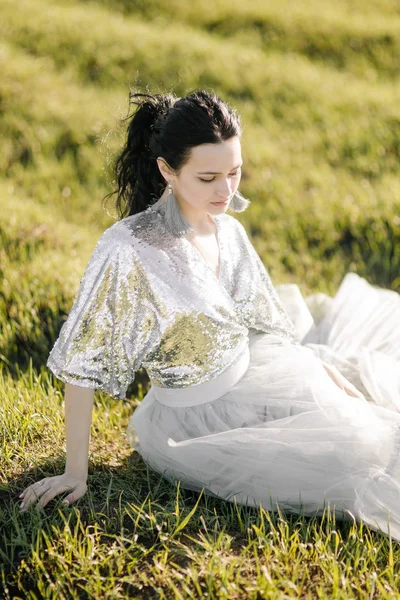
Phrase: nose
pixel 224 189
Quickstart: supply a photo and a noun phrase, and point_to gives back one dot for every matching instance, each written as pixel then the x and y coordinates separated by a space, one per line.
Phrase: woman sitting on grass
pixel 241 402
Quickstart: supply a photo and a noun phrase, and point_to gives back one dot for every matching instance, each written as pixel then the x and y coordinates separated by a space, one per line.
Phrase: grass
pixel 316 86
pixel 136 535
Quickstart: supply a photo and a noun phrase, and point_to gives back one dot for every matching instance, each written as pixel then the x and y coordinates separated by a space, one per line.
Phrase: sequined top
pixel 149 299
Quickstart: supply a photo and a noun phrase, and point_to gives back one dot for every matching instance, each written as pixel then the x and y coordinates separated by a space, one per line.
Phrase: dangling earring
pixel 174 220
pixel 238 202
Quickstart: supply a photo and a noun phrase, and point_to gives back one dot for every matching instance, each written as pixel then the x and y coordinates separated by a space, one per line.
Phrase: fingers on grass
pixel 78 492
pixel 49 495
pixel 72 497
pixel 69 499
pixel 31 496
pixel 52 493
pixel 34 495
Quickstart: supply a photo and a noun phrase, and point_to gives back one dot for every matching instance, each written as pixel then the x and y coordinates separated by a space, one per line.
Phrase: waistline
pixel 207 391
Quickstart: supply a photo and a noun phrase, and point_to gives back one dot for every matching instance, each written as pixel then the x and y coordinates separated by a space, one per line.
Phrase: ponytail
pixel 136 171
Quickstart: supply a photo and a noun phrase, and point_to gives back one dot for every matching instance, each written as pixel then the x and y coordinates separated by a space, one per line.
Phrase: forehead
pixel 225 155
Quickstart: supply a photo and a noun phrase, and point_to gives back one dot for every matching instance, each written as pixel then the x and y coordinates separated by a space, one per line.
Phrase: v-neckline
pixel 198 254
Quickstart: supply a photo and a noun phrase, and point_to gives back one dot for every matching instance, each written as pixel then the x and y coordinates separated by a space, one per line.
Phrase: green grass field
pixel 317 87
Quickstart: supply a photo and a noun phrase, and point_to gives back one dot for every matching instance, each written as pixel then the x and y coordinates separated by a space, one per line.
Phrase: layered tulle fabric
pixel 285 434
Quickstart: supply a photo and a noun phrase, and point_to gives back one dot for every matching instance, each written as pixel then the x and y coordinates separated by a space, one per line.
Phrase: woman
pixel 241 402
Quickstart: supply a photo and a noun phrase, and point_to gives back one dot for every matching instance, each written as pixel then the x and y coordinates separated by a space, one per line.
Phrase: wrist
pixel 78 473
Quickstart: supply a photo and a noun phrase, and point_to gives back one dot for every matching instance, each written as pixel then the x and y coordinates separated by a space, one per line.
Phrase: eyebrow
pixel 215 172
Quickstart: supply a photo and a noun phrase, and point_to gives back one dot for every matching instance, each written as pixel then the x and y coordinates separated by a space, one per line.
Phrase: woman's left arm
pixel 342 382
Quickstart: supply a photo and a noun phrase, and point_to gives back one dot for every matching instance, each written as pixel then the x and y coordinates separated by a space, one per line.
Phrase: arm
pixel 78 417
pixel 341 381
pixel 97 348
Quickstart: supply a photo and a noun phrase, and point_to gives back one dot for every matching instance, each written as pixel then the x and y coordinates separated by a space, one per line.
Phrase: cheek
pixel 197 189
pixel 201 189
pixel 196 192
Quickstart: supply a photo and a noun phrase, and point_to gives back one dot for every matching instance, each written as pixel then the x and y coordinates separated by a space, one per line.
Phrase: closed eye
pixel 209 180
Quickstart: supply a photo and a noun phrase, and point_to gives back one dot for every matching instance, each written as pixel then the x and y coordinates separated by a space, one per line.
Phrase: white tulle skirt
pixel 285 434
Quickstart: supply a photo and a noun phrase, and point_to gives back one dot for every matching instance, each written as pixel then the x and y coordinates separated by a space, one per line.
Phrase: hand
pixel 342 382
pixel 49 487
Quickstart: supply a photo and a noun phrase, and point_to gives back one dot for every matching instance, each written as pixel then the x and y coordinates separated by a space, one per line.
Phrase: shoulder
pixel 131 234
pixel 232 225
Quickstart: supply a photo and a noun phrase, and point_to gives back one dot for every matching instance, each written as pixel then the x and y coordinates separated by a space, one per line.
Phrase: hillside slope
pixel 320 104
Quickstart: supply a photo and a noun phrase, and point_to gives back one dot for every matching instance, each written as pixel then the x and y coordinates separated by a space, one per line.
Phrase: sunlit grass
pixel 136 535
pixel 317 90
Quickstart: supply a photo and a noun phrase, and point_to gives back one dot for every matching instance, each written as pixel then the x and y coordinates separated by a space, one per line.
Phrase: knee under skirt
pixel 285 434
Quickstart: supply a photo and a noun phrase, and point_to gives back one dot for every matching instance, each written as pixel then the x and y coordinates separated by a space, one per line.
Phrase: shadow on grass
pixel 114 495
pixel 134 508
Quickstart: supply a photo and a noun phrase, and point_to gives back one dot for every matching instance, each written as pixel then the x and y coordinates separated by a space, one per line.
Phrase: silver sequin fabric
pixel 148 299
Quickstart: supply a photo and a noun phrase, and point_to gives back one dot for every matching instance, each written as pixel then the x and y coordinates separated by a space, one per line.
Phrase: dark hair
pixel 167 126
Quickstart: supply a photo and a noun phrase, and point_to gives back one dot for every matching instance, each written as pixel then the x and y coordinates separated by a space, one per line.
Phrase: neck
pixel 201 221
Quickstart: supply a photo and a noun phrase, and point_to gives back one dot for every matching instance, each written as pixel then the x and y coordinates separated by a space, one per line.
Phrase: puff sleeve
pixel 112 324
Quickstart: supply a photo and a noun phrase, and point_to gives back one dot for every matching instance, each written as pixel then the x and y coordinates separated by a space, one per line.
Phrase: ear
pixel 165 169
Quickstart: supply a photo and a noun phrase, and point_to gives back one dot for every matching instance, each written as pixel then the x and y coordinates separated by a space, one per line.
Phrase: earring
pixel 169 209
pixel 238 202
